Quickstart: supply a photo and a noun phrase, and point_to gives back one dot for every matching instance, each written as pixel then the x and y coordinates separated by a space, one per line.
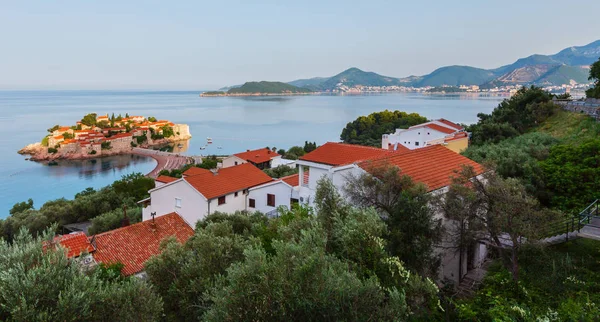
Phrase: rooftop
pixel 452 124
pixel 227 180
pixel 292 180
pixel 340 154
pixel 75 244
pixel 433 165
pixel 257 156
pixel 435 127
pixel 165 179
pixel 134 245
pixel 194 171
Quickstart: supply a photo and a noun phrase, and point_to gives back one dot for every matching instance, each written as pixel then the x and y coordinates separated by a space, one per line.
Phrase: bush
pixel 105 145
pixel 45 141
pixel 113 220
pixel 52 150
pixel 141 139
pixel 133 145
pixel 92 152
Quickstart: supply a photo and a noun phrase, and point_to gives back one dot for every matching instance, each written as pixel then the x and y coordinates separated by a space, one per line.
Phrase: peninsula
pixel 263 88
pixel 96 136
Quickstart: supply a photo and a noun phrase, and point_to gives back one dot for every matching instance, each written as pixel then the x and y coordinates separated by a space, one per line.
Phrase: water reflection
pixel 98 166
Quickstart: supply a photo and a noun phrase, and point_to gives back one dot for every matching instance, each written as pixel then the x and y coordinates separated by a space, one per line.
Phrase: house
pixel 435 132
pixel 201 192
pixel 261 158
pixel 131 245
pixel 434 166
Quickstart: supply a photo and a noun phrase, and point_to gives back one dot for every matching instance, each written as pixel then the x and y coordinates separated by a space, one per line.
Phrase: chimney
pixel 247 150
pixel 214 171
pixel 268 151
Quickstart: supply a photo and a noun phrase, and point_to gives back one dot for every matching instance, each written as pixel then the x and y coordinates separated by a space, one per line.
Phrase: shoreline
pixel 164 160
pixel 356 94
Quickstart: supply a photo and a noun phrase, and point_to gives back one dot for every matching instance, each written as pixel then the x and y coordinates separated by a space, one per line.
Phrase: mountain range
pixel 569 65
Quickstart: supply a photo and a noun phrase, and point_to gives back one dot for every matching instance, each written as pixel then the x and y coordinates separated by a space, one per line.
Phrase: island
pixel 102 135
pixel 262 88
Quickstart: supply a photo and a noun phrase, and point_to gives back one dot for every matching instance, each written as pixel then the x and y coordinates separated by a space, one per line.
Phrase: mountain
pixel 354 76
pixel 267 88
pixel 455 76
pixel 569 64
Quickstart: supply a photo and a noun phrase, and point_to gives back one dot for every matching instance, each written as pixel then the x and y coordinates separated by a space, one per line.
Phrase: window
pixel 427 133
pixel 419 133
pixel 221 200
pixel 251 203
pixel 235 163
pixel 235 194
pixel 417 143
pixel 178 202
pixel 270 200
pixel 245 191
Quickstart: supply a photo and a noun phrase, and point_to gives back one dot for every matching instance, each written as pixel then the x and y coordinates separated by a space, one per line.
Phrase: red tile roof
pixel 457 136
pixel 194 171
pixel 399 147
pixel 165 179
pixel 134 245
pixel 452 124
pixel 292 180
pixel 339 153
pixel 120 136
pixel 436 127
pixel 434 165
pixel 228 180
pixel 75 244
pixel 257 156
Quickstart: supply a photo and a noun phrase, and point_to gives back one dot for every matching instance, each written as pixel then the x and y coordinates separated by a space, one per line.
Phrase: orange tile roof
pixel 134 245
pixel 194 171
pixel 434 165
pixel 58 137
pixel 436 127
pixel 228 180
pixel 340 153
pixel 165 179
pixel 399 147
pixel 257 156
pixel 75 244
pixel 452 124
pixel 457 136
pixel 292 180
pixel 120 136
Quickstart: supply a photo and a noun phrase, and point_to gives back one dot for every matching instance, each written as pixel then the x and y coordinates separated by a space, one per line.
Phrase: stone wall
pixel 590 106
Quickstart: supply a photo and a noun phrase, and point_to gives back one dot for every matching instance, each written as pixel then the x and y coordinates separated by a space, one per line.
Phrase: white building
pixel 422 135
pixel 433 166
pixel 261 158
pixel 201 192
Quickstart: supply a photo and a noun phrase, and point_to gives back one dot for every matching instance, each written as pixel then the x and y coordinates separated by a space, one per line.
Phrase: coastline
pixel 165 160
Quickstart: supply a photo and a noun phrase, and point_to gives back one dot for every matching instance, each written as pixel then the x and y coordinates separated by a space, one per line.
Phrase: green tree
pixel 21 206
pixel 413 231
pixel 294 153
pixel 280 171
pixel 152 119
pixel 113 220
pixel 367 130
pixel 90 119
pixel 46 286
pixel 105 145
pixel 309 147
pixel 54 128
pixel 594 92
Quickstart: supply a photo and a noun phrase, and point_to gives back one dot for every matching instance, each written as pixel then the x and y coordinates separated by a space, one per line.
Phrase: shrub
pixel 52 150
pixel 106 145
pixel 92 152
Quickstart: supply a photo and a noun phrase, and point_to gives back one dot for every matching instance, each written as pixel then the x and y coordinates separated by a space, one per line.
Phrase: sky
pixel 199 45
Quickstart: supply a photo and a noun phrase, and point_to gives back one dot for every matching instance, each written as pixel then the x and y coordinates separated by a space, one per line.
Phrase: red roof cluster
pixel 134 245
pixel 120 136
pixel 434 165
pixel 228 180
pixel 257 156
pixel 75 244
pixel 293 180
pixel 340 154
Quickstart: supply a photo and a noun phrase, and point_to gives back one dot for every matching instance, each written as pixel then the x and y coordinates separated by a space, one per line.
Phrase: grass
pixel 570 128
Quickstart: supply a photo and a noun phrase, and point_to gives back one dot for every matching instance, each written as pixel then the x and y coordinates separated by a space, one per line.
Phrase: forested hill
pixel 268 88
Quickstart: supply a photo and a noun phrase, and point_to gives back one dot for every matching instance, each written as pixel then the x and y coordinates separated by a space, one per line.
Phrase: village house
pixel 201 192
pixel 441 131
pixel 434 166
pixel 261 158
pixel 62 130
pixel 131 245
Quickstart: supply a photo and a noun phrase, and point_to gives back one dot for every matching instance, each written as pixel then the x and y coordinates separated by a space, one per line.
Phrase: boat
pixel 209 140
pixel 202 148
pixel 219 147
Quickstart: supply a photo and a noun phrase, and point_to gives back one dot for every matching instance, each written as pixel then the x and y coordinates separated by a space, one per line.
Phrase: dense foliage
pixel 43 285
pixel 528 108
pixel 560 283
pixel 594 92
pixel 209 162
pixel 267 88
pixel 280 171
pixel 332 266
pixel 86 205
pixel 367 130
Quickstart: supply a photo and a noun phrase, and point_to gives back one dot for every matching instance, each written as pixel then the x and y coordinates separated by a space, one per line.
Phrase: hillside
pixel 564 74
pixel 265 87
pixel 455 76
pixel 315 81
pixel 354 76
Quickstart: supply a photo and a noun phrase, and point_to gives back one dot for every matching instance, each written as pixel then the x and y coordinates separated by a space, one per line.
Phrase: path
pixel 165 160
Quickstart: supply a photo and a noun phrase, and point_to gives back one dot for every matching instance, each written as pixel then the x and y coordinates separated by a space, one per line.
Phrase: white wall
pixel 410 137
pixel 194 206
pixel 281 190
pixel 231 160
pixel 231 205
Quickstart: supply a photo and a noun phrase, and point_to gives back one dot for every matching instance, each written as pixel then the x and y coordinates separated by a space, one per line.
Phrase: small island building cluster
pixel 175 205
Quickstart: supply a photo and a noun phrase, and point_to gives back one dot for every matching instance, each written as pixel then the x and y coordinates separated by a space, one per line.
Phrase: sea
pixel 234 124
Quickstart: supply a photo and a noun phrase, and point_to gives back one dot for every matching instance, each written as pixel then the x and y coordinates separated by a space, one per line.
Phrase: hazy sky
pixel 202 45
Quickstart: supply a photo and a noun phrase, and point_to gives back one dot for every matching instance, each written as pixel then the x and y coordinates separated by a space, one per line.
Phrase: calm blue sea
pixel 235 124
